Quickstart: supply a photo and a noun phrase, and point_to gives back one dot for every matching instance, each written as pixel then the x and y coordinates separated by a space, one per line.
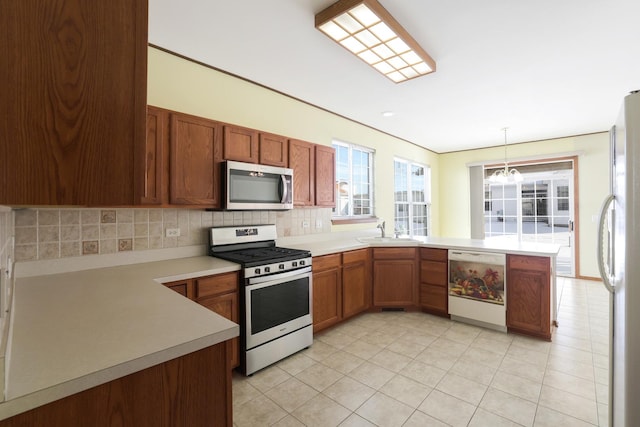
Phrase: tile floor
pixel 414 369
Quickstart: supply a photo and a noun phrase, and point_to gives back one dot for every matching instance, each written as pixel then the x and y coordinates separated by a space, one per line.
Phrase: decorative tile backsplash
pixel 60 233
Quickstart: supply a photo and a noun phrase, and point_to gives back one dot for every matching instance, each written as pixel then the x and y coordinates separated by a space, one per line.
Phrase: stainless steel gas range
pixel 276 317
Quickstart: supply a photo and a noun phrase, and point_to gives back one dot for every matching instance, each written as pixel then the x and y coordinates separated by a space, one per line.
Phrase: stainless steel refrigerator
pixel 619 262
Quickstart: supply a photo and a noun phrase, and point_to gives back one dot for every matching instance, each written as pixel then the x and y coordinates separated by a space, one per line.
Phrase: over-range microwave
pixel 250 186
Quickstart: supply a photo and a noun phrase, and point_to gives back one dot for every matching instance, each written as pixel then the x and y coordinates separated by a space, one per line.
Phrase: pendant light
pixel 505 175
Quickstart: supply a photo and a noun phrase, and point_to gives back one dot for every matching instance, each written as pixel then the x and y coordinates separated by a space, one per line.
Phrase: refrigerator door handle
pixel 605 271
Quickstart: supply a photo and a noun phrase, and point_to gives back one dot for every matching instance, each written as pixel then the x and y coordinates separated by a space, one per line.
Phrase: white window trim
pixel 372 153
pixel 410 201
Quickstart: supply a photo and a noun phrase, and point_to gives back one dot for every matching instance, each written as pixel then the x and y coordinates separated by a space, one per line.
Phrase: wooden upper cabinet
pixel 240 144
pixel 325 176
pixel 73 82
pixel 195 160
pixel 274 150
pixel 152 188
pixel 302 161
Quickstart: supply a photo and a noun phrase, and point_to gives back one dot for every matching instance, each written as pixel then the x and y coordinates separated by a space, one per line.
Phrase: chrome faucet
pixel 381 227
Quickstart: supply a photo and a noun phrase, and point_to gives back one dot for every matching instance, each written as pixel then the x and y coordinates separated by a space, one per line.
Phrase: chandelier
pixel 505 174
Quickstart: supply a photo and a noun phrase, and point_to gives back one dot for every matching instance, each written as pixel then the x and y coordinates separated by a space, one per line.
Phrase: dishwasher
pixel 477 288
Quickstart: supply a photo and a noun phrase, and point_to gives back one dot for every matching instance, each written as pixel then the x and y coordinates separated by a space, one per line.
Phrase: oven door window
pixel 278 304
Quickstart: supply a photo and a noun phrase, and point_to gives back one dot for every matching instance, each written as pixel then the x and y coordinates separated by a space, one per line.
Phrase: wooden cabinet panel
pixel 227 306
pixel 153 188
pixel 434 273
pixel 216 285
pixel 274 150
pixel 192 390
pixel 394 253
pixel 73 101
pixel 356 282
pixel 433 254
pixel 325 176
pixel 434 285
pixel 301 160
pixel 394 283
pixel 240 144
pixel 183 287
pixel 434 298
pixel 195 161
pixel 327 297
pixel 528 295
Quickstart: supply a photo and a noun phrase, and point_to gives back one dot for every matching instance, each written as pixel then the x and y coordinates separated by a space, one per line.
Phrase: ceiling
pixel 544 69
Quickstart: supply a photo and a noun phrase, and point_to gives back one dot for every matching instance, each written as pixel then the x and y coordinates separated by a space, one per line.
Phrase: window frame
pixel 336 217
pixel 410 203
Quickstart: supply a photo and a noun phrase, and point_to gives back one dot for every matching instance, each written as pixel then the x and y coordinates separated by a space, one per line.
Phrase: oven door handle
pixel 278 276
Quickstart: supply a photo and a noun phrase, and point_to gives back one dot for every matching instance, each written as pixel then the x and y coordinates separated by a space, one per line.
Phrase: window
pixel 412 183
pixel 563 197
pixel 354 181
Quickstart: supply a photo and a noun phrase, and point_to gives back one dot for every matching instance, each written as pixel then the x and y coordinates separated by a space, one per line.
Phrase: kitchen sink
pixel 389 241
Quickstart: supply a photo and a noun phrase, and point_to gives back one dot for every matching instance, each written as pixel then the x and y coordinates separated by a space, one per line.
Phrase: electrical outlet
pixel 318 223
pixel 305 224
pixel 173 232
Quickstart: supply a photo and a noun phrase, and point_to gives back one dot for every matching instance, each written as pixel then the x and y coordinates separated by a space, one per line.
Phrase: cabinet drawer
pixel 361 255
pixel 325 262
pixel 433 273
pixel 534 263
pixel 216 285
pixel 434 298
pixel 394 253
pixel 433 254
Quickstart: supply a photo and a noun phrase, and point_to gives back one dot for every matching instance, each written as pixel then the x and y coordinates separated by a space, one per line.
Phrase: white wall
pixel 593 186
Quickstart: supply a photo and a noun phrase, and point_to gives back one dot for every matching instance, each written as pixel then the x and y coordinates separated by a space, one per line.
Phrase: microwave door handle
pixel 283 189
pixel 605 270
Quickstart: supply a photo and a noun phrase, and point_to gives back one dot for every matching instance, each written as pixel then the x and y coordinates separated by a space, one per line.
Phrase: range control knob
pixel 281 266
pixel 303 262
pixel 294 264
pixel 256 271
pixel 267 269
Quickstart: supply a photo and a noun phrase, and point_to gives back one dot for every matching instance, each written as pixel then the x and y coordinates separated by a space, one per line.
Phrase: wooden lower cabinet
pixel 434 296
pixel 528 295
pixel 192 390
pixel 356 282
pixel 218 293
pixel 395 278
pixel 327 291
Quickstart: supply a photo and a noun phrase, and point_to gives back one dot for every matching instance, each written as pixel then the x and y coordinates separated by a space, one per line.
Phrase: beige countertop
pixel 340 242
pixel 73 331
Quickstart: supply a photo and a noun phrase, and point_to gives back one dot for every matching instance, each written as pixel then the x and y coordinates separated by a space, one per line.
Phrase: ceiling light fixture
pixel 388 114
pixel 505 175
pixel 368 31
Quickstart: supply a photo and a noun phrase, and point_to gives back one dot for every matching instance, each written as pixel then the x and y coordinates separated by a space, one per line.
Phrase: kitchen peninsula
pixel 114 344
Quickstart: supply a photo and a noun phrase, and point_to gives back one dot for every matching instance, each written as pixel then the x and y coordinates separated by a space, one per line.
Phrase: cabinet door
pixel 183 287
pixel 227 306
pixel 301 160
pixel 73 101
pixel 152 190
pixel 528 295
pixel 327 298
pixel 325 176
pixel 195 161
pixel 240 144
pixel 394 283
pixel 274 150
pixel 356 288
pixel 434 299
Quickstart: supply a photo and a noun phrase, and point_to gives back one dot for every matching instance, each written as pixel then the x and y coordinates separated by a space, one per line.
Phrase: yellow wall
pixel 593 183
pixel 181 85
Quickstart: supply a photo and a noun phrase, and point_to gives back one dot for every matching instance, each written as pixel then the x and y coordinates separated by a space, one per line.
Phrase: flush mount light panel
pixel 367 30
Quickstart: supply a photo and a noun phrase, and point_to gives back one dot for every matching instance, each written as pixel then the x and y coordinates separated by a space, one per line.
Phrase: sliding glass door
pixel 537 209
